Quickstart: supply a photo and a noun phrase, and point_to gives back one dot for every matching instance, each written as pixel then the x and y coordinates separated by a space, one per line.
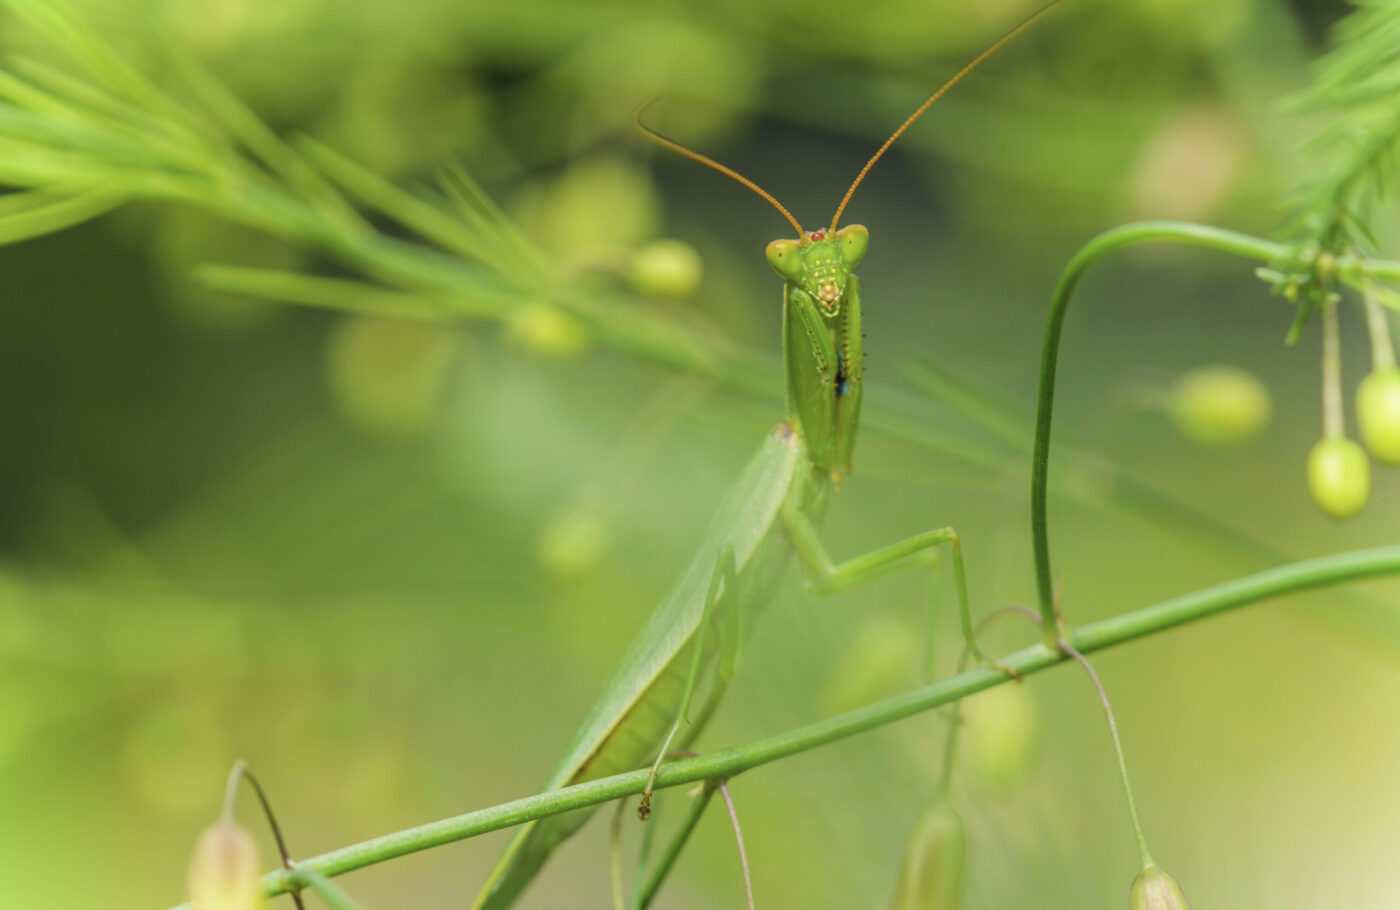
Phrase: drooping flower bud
pixel 573 541
pixel 1378 413
pixel 1339 476
pixel 931 876
pixel 387 375
pixel 999 730
pixel 1154 889
pixel 224 870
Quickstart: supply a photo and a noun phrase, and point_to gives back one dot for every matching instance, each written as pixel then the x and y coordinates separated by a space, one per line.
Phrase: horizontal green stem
pixel 726 763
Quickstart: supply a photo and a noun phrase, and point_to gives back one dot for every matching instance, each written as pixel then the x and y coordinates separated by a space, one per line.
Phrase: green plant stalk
pixel 1117 751
pixel 317 881
pixel 726 763
pixel 646 892
pixel 1378 328
pixel 1351 270
pixel 1333 413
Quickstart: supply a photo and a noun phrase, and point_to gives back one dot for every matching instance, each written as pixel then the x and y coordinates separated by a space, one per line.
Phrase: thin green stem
pixel 1378 327
pixel 1333 415
pixel 1105 243
pixel 1117 748
pixel 944 788
pixel 615 856
pixel 727 763
pixel 240 773
pixel 317 881
pixel 738 840
pixel 646 892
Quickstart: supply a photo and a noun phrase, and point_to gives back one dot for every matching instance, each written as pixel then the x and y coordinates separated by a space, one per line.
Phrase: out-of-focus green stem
pixel 657 874
pixel 727 763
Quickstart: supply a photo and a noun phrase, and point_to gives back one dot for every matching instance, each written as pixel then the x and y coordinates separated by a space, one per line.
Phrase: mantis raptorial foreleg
pixel 827 577
pixel 724 580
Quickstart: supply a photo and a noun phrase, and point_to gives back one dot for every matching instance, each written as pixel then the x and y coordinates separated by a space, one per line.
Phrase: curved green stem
pixel 727 763
pixel 1091 252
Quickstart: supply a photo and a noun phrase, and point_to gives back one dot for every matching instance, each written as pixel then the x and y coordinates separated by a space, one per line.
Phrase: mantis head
pixel 820 262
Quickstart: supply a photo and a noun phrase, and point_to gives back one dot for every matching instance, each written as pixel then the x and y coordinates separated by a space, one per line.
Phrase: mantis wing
pixel 626 724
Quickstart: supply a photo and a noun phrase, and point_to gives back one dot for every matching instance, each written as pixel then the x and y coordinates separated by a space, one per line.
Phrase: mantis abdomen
pixel 629 721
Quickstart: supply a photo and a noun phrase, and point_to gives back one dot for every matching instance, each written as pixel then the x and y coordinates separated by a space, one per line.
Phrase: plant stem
pixel 317 881
pixel 1117 749
pixel 727 763
pixel 1333 416
pixel 655 876
pixel 1378 327
pixel 738 840
pixel 1091 252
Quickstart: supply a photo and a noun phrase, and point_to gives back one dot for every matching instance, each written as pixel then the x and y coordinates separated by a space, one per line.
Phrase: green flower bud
pixel 1154 889
pixel 224 870
pixel 877 660
pixel 595 205
pixel 999 730
pixel 546 329
pixel 666 268
pixel 1220 405
pixel 1378 413
pixel 1339 476
pixel 931 876
pixel 573 542
pixel 387 375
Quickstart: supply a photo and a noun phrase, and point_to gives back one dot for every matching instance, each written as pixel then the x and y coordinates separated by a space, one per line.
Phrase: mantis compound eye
pixel 854 240
pixel 782 256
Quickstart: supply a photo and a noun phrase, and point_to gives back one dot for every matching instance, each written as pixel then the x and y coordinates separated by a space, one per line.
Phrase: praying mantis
pixel 773 508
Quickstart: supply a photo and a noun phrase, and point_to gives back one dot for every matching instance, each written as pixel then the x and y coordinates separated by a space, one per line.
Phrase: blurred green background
pixel 389 563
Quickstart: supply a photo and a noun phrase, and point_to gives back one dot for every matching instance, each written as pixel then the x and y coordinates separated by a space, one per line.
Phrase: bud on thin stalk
pixel 931 876
pixel 1378 398
pixel 224 869
pixel 1154 889
pixel 1339 474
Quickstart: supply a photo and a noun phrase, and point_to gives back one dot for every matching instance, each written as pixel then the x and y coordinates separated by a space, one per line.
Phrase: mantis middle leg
pixel 724 582
pixel 827 577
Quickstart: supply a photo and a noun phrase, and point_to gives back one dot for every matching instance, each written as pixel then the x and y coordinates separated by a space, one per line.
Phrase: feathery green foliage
pixel 1357 86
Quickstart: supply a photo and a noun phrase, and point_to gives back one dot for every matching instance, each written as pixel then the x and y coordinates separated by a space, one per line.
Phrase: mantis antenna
pixel 992 49
pixel 674 146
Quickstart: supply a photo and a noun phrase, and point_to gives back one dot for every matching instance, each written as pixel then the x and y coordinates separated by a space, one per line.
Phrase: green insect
pixel 774 508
